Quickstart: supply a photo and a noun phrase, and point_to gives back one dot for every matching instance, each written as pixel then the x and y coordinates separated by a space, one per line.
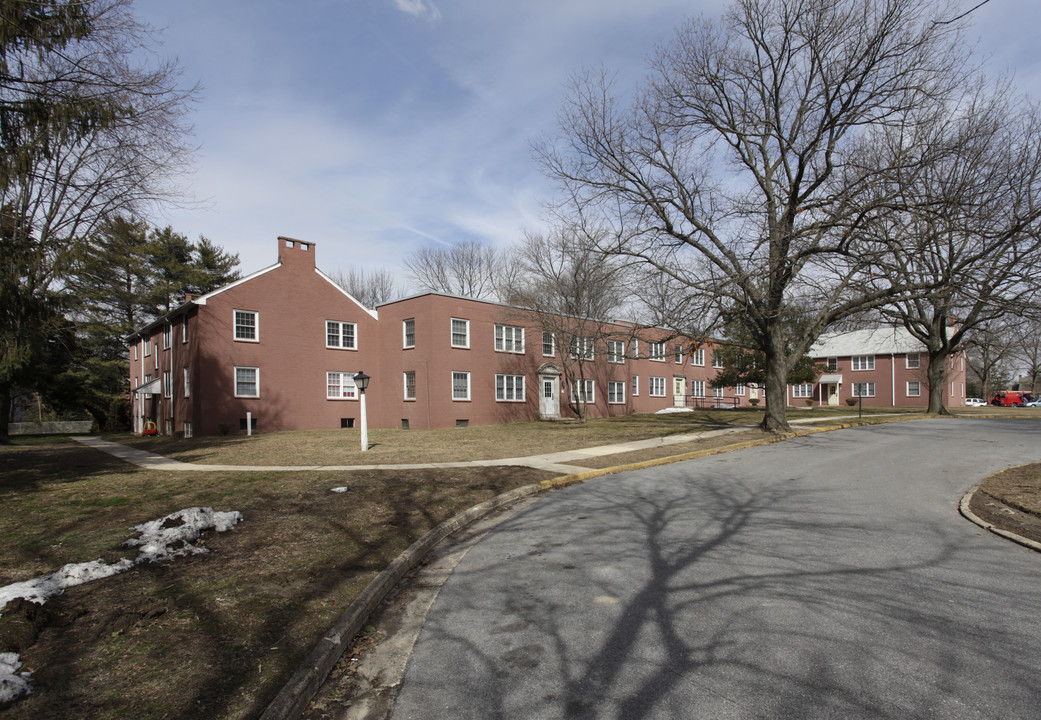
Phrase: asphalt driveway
pixel 825 577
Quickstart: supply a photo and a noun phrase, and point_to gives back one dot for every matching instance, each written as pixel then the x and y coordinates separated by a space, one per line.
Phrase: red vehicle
pixel 1011 398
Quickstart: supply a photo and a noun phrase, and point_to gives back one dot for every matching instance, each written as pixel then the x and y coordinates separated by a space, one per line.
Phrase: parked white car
pixel 975 402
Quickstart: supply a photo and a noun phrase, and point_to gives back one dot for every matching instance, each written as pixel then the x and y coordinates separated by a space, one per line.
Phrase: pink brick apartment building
pixel 281 347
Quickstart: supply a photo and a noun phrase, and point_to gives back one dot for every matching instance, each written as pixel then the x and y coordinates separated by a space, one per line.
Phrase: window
pixel 717 359
pixel 582 347
pixel 460 386
pixel 341 335
pixel 739 389
pixel 548 346
pixel 509 338
pixel 167 383
pixel 167 336
pixel 187 429
pixel 135 351
pixel 698 357
pixel 246 325
pixel 615 392
pixel 656 386
pixel 184 329
pixel 583 391
pixel 833 364
pixel 410 385
pixel 697 388
pixel 864 389
pixel 615 351
pixel 636 385
pixel 409 331
pixel 460 333
pixel 509 388
pixel 247 382
pixel 802 390
pixel 148 347
pixel 914 360
pixel 914 388
pixel 717 392
pixel 634 349
pixel 863 362
pixel 656 351
pixel 340 386
pixel 187 384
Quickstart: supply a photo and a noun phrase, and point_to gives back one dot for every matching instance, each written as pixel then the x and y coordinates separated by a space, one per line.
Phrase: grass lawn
pixel 216 635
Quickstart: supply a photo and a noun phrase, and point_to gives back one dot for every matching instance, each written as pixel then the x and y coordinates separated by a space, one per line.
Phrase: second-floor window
pixel 548 345
pixel 409 330
pixel 341 335
pixel 582 348
pixel 615 351
pixel 509 338
pixel 460 333
pixel 698 357
pixel 167 336
pixel 656 351
pixel 246 322
pixel 863 362
pixel 914 360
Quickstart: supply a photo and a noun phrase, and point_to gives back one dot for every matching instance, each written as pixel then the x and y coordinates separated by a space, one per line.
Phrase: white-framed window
pixel 833 364
pixel 549 348
pixel 914 388
pixel 187 429
pixel 634 348
pixel 583 391
pixel 802 390
pixel 410 384
pixel 739 390
pixel 184 332
pixel 342 335
pixel 187 383
pixel 509 388
pixel 408 331
pixel 615 392
pixel 340 386
pixel 167 336
pixel 582 347
pixel 135 351
pixel 247 326
pixel 717 392
pixel 698 357
pixel 863 362
pixel 656 386
pixel 167 383
pixel 865 389
pixel 677 351
pixel 697 388
pixel 148 347
pixel 247 382
pixel 156 358
pixel 460 385
pixel 615 351
pixel 509 338
pixel 636 385
pixel 656 351
pixel 717 360
pixel 913 360
pixel 460 333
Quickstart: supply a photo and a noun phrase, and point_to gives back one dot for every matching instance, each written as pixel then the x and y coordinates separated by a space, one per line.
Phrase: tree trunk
pixel 5 413
pixel 776 417
pixel 937 378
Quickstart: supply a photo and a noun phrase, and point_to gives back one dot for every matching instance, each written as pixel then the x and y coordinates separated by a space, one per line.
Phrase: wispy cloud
pixel 419 8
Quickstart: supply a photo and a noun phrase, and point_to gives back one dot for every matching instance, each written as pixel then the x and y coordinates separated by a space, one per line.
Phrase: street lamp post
pixel 362 381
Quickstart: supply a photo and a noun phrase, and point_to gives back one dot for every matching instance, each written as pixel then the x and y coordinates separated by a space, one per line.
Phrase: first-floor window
pixel 187 429
pixel 187 383
pixel 167 384
pixel 697 388
pixel 802 390
pixel 582 391
pixel 739 389
pixel 509 388
pixel 636 385
pixel 340 386
pixel 717 392
pixel 656 386
pixel 864 389
pixel 914 388
pixel 247 382
pixel 616 392
pixel 460 386
pixel 410 385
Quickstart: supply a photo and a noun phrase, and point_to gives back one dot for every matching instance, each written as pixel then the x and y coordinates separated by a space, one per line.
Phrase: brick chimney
pixel 296 253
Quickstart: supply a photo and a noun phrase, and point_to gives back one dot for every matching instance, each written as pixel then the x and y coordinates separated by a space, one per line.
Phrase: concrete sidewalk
pixel 564 462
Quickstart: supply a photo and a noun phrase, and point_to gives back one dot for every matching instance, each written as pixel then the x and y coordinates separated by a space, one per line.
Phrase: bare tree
pixel 988 356
pixel 1026 338
pixel 744 172
pixel 469 268
pixel 369 287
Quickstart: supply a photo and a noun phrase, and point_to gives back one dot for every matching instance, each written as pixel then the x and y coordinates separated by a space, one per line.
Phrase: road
pixel 824 577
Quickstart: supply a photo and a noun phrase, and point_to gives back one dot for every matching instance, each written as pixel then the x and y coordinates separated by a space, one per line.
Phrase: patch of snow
pixel 667 411
pixel 341 489
pixel 168 537
pixel 12 686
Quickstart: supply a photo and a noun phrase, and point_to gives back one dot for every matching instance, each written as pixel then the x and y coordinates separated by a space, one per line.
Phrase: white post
pixel 249 423
pixel 364 425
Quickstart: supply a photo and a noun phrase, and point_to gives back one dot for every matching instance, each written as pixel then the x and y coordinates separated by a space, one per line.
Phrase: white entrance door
pixel 550 395
pixel 833 394
pixel 679 391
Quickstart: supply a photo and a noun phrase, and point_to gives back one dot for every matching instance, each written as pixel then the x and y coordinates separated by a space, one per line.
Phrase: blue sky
pixel 373 127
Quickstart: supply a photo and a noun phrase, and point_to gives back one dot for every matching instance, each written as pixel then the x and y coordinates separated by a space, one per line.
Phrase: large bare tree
pixel 469 268
pixel 369 287
pixel 744 170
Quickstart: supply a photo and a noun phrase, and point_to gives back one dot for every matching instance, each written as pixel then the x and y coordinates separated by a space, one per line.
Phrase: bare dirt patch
pixel 1011 500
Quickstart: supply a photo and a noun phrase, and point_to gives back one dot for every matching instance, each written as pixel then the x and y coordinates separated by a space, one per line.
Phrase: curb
pixel 294 697
pixel 963 508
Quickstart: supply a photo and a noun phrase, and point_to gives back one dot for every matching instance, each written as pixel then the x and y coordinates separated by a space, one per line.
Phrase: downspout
pixel 892 371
